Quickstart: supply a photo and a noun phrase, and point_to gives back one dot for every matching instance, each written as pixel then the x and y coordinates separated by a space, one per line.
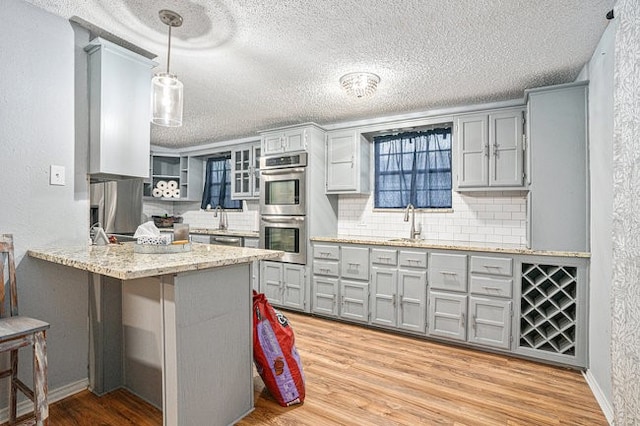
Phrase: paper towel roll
pixel 157 192
pixel 176 193
pixel 161 185
pixel 167 193
pixel 172 184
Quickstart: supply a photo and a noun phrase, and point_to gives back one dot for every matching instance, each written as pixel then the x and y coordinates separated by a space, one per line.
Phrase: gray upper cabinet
pixel 119 111
pixel 283 284
pixel 289 140
pixel 558 191
pixel 348 155
pixel 490 148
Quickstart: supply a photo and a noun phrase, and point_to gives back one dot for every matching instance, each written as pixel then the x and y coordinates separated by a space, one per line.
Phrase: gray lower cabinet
pixel 479 311
pixel 529 305
pixel 325 286
pixel 354 300
pixel 489 322
pixel 447 315
pixel 341 282
pixel 325 296
pixel 283 284
pixel 399 289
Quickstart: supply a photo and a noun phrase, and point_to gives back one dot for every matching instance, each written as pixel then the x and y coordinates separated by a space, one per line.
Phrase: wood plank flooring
pixel 357 376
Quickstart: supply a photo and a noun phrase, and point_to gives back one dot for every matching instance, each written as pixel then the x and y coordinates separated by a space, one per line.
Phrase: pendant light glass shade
pixel 166 100
pixel 166 89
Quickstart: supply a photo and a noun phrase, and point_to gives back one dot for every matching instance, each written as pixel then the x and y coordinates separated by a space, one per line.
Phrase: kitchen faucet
pixel 222 224
pixel 412 233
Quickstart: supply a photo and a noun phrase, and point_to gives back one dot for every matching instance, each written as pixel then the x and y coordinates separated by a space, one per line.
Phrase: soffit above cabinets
pixel 254 65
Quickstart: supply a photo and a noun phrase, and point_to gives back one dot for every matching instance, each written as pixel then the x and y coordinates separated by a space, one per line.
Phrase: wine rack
pixel 548 311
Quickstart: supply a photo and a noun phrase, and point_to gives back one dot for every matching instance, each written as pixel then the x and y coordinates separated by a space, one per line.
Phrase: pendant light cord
pixel 169 49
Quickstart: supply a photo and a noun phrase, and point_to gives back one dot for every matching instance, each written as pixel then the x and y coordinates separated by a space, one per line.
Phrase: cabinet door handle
pixel 355 265
pixel 393 300
pixel 495 149
pixel 462 320
pixel 488 287
pixel 448 273
pixel 352 161
pixel 474 322
pixel 486 150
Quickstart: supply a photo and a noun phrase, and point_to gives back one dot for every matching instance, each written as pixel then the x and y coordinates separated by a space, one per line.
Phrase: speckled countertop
pixel 225 232
pixel 448 245
pixel 119 260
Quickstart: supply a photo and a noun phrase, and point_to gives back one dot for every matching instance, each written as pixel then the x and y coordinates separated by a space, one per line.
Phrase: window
pixel 217 185
pixel 413 167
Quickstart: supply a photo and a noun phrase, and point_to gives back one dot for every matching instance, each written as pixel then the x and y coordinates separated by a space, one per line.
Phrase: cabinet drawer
pixel 448 272
pixel 489 286
pixel 321 251
pixel 413 259
pixel 325 267
pixel 492 265
pixel 354 263
pixel 384 257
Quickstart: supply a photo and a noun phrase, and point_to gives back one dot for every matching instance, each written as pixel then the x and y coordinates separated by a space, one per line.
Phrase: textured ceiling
pixel 250 65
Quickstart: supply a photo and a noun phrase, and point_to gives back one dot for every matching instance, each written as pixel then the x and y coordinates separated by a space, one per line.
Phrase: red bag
pixel 275 354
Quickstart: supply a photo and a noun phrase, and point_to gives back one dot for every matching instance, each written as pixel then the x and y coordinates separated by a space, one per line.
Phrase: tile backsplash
pixel 480 217
pixel 491 217
pixel 246 220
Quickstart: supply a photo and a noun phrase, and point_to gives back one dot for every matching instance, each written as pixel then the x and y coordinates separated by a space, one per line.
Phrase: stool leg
pixel 41 407
pixel 13 398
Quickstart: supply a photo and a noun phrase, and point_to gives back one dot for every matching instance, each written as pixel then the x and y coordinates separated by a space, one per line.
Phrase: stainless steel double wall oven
pixel 283 207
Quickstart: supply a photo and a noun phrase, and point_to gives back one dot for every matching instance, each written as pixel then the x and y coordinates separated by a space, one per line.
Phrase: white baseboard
pixel 604 403
pixel 26 406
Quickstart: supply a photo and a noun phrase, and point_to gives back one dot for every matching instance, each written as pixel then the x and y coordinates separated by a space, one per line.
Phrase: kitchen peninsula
pixel 175 329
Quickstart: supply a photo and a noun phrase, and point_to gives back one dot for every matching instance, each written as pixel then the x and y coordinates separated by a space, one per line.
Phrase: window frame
pixel 228 185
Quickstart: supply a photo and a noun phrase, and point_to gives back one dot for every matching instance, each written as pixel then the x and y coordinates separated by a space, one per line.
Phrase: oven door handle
pixel 283 219
pixel 283 171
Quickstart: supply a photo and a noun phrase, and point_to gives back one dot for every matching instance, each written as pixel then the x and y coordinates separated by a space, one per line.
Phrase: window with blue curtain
pixel 217 185
pixel 413 167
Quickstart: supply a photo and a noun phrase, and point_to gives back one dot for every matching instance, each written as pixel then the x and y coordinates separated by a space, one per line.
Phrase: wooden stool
pixel 16 332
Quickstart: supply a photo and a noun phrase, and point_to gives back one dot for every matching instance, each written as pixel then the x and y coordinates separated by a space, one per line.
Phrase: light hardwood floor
pixel 357 376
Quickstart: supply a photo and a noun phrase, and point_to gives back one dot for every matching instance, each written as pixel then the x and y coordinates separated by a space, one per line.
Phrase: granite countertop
pixel 119 260
pixel 448 245
pixel 225 232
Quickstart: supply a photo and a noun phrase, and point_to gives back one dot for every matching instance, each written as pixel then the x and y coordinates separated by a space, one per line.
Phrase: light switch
pixel 56 176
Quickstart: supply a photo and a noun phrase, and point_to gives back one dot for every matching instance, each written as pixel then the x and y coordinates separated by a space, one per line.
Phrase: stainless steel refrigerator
pixel 117 205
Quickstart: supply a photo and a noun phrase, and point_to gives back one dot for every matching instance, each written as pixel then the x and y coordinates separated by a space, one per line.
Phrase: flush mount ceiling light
pixel 166 89
pixel 360 84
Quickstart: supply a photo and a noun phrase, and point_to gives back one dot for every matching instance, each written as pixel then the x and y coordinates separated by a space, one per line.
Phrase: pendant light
pixel 166 89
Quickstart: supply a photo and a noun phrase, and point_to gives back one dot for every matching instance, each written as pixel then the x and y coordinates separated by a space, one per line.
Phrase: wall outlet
pixel 56 175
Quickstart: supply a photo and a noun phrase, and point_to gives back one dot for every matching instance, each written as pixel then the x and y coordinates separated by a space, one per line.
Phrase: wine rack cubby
pixel 548 311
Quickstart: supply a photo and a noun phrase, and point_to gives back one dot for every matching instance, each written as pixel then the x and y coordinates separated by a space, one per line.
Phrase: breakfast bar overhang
pixel 175 329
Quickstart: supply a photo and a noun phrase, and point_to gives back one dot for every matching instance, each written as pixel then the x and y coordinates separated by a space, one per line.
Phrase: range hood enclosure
pixel 119 111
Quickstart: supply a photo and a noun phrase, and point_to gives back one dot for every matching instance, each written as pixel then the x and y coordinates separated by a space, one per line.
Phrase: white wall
pixel 37 130
pixel 599 71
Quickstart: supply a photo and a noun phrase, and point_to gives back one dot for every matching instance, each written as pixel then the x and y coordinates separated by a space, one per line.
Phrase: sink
pixel 403 240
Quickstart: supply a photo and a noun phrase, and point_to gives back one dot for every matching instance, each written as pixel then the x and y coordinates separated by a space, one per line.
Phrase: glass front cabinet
pixel 245 182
